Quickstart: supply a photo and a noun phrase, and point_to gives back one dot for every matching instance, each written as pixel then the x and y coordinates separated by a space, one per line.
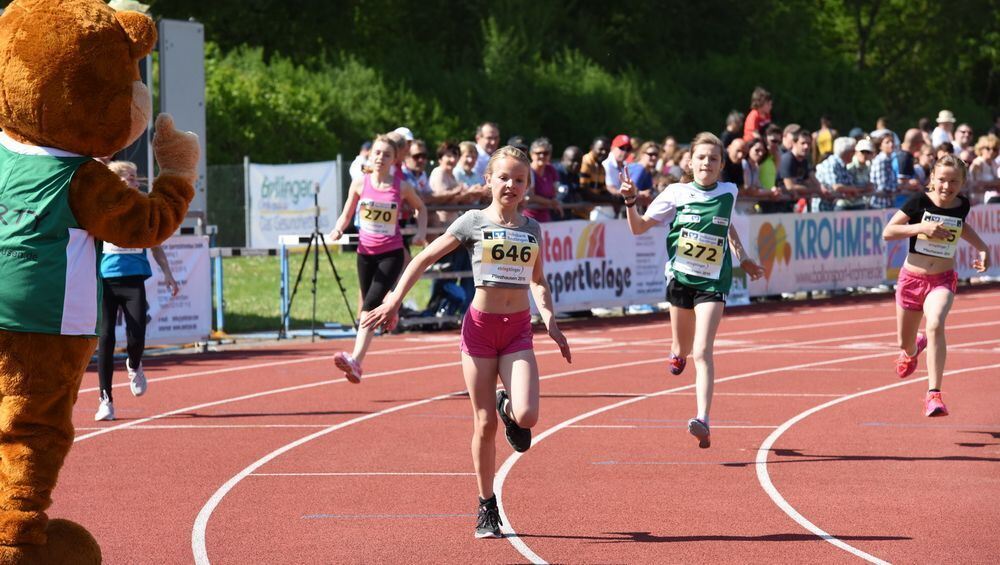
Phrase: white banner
pixel 601 264
pixel 187 317
pixel 823 251
pixel 985 219
pixel 281 200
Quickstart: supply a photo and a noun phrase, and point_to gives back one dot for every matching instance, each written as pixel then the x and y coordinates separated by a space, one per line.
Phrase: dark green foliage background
pixel 301 80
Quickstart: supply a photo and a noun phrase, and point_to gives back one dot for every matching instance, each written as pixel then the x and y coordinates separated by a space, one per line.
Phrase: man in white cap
pixel 407 135
pixel 942 133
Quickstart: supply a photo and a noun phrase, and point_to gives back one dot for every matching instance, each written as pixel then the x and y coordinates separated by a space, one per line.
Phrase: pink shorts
pixel 912 288
pixel 493 335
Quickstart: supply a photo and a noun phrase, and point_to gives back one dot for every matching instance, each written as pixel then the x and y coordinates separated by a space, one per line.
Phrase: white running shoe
pixel 136 379
pixel 106 411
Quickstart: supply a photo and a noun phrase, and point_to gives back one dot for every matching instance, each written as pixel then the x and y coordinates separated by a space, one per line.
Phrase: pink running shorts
pixel 493 335
pixel 912 288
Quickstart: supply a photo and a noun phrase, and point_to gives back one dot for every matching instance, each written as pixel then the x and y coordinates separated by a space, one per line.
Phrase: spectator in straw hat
pixel 946 124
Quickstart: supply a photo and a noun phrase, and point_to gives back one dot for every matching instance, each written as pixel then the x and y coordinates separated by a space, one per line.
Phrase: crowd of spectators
pixel 777 168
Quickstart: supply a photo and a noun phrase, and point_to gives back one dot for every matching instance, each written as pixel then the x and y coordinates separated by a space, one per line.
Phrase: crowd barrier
pixel 600 264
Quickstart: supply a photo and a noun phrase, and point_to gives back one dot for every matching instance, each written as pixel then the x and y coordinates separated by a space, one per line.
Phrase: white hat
pixel 865 145
pixel 408 135
pixel 945 116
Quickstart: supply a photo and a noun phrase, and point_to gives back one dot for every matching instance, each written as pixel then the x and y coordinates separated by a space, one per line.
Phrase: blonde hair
pixel 708 138
pixel 952 161
pixel 507 151
pixel 987 141
pixel 121 167
pixel 467 147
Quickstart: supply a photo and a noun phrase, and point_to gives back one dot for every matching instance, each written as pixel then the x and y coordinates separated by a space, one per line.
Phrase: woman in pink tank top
pixel 377 197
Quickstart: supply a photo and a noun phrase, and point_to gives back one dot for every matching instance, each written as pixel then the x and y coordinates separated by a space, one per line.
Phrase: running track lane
pixel 943 532
pixel 463 458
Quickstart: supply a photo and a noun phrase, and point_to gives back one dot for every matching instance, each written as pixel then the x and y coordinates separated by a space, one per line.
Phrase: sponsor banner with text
pixel 602 265
pixel 187 317
pixel 281 200
pixel 823 251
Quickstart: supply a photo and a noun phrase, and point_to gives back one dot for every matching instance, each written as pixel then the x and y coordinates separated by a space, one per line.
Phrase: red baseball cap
pixel 621 140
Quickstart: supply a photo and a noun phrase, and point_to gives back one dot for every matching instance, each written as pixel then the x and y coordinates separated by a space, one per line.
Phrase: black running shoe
pixel 519 438
pixel 488 523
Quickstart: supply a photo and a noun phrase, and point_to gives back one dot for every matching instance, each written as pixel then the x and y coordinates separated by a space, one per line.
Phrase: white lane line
pixel 676 427
pixel 381 516
pixel 310 359
pixel 764 478
pixel 199 546
pixel 452 343
pixel 211 426
pixel 504 470
pixel 364 474
pixel 198 542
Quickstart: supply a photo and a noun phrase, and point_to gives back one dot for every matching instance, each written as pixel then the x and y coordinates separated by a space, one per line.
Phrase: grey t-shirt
pixel 501 256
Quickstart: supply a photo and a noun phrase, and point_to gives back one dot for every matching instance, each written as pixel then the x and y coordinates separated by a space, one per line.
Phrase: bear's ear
pixel 141 32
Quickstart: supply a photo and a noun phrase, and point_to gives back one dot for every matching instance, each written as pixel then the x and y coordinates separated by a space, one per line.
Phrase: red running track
pixel 820 454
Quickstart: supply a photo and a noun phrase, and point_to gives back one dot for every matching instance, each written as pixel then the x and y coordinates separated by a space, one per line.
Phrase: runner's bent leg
pixel 519 373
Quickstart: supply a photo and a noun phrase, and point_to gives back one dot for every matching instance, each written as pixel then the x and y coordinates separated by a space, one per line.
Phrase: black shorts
pixel 686 297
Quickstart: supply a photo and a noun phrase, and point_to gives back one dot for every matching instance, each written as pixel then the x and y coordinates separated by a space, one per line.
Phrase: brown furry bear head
pixel 69 75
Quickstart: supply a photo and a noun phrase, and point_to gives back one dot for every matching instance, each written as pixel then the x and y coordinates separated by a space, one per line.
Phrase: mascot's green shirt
pixel 48 263
pixel 697 244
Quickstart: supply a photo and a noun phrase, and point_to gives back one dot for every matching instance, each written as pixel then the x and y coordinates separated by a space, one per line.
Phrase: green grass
pixel 252 292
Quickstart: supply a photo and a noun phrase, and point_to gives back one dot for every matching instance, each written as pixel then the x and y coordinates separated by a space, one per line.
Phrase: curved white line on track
pixel 502 473
pixel 272 364
pixel 199 530
pixel 441 345
pixel 764 478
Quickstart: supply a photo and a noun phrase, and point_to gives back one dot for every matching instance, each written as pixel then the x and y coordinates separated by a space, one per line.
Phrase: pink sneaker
pixel 906 365
pixel 934 406
pixel 676 364
pixel 349 366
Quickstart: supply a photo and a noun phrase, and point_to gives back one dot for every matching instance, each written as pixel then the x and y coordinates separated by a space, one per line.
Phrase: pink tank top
pixel 378 216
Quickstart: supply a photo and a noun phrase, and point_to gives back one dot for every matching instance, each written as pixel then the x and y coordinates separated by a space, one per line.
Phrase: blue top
pixel 124 262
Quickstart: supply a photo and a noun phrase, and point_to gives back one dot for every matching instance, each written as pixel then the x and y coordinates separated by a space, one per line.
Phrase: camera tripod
pixel 316 240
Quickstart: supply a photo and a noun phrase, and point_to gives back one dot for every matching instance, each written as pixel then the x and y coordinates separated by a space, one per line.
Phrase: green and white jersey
pixel 48 263
pixel 698 244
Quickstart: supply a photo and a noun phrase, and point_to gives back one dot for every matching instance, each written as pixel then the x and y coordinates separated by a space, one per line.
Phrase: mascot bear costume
pixel 69 91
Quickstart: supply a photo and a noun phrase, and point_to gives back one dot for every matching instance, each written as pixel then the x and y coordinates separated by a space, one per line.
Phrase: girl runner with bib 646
pixel 933 222
pixel 700 246
pixel 496 332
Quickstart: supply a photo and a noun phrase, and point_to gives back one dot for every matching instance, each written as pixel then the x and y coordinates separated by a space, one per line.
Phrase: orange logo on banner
pixel 591 243
pixel 773 246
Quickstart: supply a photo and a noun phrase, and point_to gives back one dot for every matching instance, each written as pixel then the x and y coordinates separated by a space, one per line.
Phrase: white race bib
pixel 508 256
pixel 378 217
pixel 699 254
pixel 944 248
pixel 112 249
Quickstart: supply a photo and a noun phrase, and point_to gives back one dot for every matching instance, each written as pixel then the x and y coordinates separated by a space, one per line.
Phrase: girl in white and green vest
pixel 700 246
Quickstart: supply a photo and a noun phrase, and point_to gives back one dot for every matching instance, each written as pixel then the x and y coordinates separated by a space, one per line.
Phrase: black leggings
pixel 377 274
pixel 129 294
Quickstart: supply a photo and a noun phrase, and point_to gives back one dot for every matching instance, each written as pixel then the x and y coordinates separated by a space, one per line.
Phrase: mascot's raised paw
pixel 68 544
pixel 175 151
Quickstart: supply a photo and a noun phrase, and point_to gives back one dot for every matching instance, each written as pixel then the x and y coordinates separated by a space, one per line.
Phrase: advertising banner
pixel 187 317
pixel 985 219
pixel 802 252
pixel 601 264
pixel 280 200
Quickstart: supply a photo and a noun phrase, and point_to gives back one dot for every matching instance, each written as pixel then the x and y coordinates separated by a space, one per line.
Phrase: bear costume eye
pixel 141 32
